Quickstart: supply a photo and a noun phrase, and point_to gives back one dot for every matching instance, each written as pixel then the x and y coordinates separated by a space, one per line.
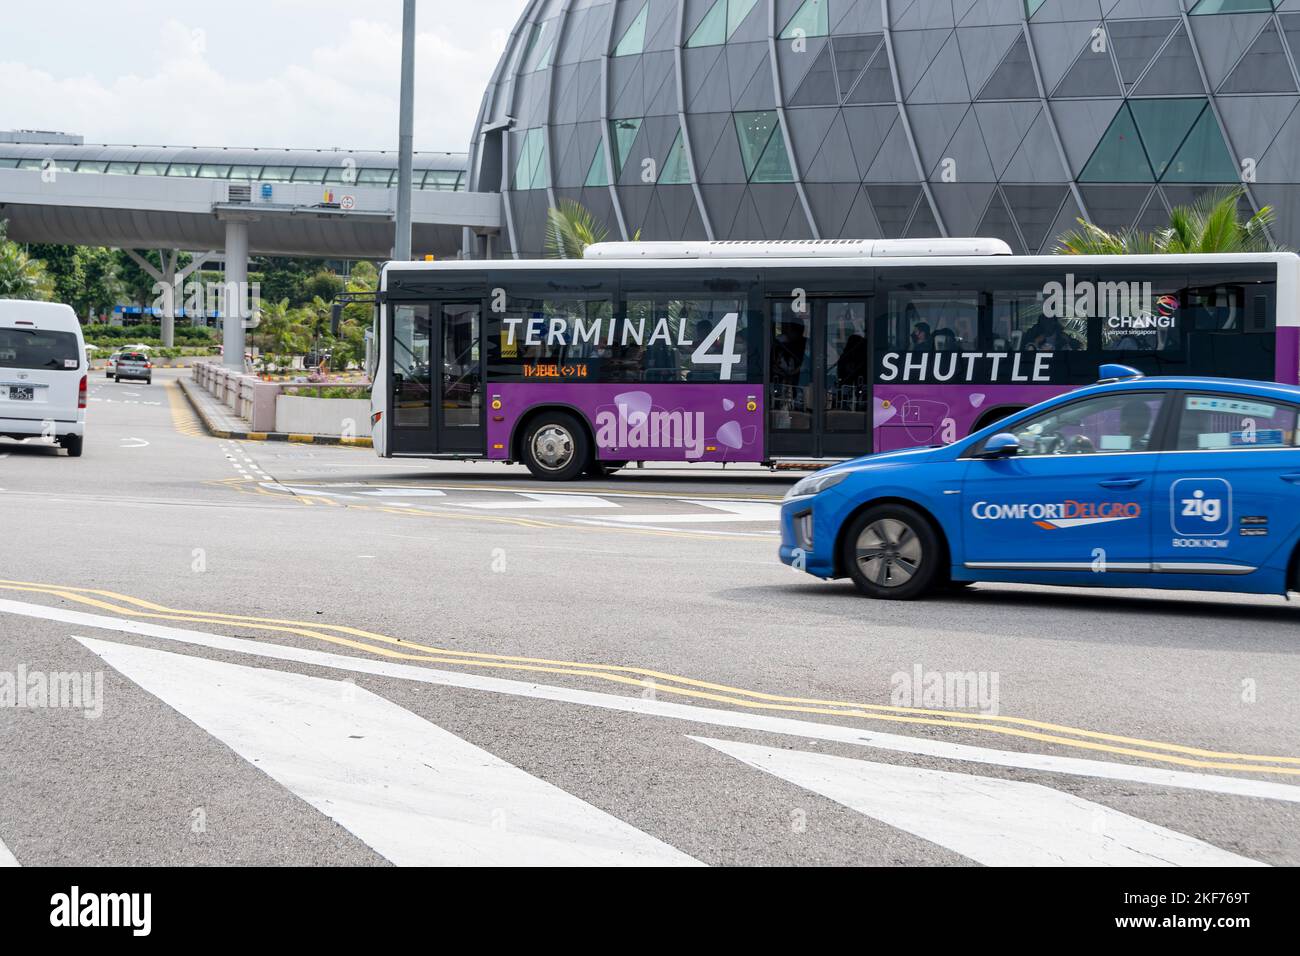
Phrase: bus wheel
pixel 891 552
pixel 556 447
pixel 603 469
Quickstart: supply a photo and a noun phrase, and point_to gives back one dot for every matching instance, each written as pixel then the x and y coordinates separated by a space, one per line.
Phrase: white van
pixel 43 372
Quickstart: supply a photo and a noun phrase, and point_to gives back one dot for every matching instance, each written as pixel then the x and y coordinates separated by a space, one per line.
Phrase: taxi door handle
pixel 1294 479
pixel 1121 482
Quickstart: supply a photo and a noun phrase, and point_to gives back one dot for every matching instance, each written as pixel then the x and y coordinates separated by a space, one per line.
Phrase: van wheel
pixel 556 447
pixel 892 553
pixel 73 444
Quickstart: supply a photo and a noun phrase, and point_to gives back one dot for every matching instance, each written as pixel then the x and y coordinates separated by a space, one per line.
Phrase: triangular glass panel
pixel 774 166
pixel 1014 77
pixel 1031 7
pixel 876 84
pixel 624 135
pixel 737 10
pixel 1164 124
pixel 1174 71
pixel 676 169
pixel 597 174
pixel 818 86
pixel 1232 6
pixel 712 30
pixel 754 130
pixel 852 55
pixel 1092 75
pixel 812 19
pixel 1135 43
pixel 1264 69
pixel 1119 157
pixel 634 36
pixel 1204 157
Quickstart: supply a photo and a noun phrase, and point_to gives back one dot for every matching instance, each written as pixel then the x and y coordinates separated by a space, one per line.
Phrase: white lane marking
pixel 139 443
pixel 990 820
pixel 718 717
pixel 538 500
pixel 704 532
pixel 719 512
pixel 6 858
pixel 403 493
pixel 415 793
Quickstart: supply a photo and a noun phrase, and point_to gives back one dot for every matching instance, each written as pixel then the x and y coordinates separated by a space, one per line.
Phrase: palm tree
pixel 570 228
pixel 1212 224
pixel 22 277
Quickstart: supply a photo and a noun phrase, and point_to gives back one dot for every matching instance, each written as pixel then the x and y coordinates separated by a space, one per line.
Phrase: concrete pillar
pixel 235 312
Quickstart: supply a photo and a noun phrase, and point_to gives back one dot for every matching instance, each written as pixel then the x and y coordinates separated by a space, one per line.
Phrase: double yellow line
pixel 641 678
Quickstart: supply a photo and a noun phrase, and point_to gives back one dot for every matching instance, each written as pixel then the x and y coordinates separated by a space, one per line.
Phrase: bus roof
pixel 996 261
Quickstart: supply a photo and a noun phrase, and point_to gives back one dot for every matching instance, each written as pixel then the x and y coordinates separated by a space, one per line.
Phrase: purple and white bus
pixel 791 351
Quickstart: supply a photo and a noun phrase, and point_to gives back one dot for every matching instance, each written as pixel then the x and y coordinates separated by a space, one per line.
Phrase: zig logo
pixel 1201 507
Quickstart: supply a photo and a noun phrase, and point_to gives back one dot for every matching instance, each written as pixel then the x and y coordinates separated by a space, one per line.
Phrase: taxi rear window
pixel 39 348
pixel 1230 422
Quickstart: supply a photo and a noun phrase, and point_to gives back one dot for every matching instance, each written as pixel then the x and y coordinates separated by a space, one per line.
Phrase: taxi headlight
pixel 816 484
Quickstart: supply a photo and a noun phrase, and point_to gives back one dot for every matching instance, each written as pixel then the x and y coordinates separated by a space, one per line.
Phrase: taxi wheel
pixel 892 553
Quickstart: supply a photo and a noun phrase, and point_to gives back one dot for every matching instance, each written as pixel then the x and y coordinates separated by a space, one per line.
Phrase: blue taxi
pixel 1181 483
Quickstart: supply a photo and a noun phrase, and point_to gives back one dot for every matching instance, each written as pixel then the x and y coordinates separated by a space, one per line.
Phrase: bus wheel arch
pixel 996 414
pixel 945 558
pixel 566 420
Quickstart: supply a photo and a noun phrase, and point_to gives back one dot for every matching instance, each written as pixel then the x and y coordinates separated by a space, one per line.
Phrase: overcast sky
pixel 305 73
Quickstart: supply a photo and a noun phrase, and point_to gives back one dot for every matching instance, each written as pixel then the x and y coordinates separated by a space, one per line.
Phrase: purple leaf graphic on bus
pixel 731 436
pixel 977 399
pixel 635 405
pixel 728 404
pixel 884 411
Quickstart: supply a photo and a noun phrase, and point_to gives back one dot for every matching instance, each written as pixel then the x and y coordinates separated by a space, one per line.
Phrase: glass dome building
pixel 789 119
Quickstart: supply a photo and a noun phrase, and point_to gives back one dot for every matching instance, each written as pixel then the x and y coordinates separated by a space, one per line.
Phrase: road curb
pixel 216 432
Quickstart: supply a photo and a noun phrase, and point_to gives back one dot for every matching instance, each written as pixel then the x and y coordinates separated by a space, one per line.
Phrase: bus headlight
pixel 816 484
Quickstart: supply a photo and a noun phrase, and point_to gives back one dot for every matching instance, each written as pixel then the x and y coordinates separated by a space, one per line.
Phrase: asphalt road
pixel 307 655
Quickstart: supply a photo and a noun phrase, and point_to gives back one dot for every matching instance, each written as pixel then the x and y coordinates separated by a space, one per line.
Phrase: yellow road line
pixel 183 418
pixel 682 686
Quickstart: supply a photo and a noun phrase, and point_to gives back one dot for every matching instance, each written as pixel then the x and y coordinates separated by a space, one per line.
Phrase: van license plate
pixel 19 393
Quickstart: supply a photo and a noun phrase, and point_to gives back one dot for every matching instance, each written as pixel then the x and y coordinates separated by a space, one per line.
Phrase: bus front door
pixel 819 374
pixel 437 379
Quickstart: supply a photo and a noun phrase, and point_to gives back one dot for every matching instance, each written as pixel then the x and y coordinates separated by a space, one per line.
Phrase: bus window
pixel 1219 308
pixel 792 361
pixel 412 376
pixel 934 321
pixel 1148 317
pixel 1019 325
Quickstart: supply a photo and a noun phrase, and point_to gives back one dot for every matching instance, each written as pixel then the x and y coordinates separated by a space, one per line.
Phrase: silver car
pixel 135 365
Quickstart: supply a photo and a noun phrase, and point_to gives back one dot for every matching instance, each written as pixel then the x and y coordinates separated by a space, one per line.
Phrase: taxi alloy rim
pixel 889 553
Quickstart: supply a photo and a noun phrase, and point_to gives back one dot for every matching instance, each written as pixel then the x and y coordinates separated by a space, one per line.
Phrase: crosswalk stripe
pixel 6 858
pixel 415 793
pixel 992 821
pixel 714 716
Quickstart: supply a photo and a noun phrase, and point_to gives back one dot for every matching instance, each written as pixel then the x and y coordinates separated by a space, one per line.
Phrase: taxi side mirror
pixel 1001 445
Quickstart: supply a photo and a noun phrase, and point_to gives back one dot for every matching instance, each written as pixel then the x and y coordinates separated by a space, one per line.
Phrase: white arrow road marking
pixel 993 821
pixel 139 443
pixel 540 500
pixel 719 512
pixel 6 858
pixel 418 795
pixel 692 713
